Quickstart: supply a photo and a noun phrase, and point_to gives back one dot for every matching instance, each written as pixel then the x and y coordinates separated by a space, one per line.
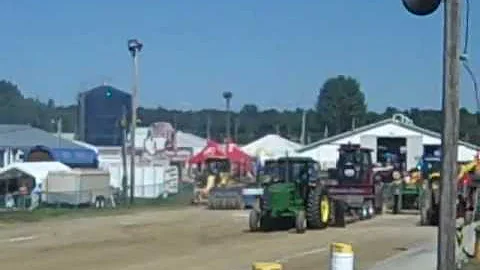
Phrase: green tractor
pixel 430 168
pixel 406 192
pixel 292 197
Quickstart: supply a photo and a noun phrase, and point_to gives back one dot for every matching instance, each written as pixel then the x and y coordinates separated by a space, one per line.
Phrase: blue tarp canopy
pixel 72 157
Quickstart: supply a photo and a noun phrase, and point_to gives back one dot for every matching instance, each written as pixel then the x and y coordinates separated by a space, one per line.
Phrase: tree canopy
pixel 340 103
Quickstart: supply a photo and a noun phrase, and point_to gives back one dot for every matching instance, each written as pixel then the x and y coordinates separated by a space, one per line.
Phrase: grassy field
pixel 180 200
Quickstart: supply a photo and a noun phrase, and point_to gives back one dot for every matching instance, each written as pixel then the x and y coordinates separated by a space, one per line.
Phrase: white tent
pixel 36 170
pixel 271 145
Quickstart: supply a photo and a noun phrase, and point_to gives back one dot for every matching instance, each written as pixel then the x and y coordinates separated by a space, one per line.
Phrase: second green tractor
pixel 292 197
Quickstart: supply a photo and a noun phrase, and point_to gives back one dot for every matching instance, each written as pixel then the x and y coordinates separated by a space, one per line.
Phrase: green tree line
pixel 340 106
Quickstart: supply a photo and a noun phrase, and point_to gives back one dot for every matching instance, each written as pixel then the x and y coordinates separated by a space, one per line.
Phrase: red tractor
pixel 352 183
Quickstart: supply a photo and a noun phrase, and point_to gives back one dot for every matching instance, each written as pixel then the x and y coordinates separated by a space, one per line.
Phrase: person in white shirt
pixel 36 196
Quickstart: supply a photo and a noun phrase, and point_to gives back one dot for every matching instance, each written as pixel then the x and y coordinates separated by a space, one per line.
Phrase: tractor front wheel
pixel 318 209
pixel 300 222
pixel 371 209
pixel 254 220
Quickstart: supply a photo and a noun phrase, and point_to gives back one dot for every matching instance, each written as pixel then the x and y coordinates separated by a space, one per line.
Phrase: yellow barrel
pixel 266 266
pixel 341 257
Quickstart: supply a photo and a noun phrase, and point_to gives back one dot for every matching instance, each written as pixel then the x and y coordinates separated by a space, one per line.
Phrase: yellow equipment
pixel 215 172
pixel 469 185
pixel 471 167
pixel 218 188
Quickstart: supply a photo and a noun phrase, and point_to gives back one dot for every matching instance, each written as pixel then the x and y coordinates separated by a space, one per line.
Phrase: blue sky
pixel 272 53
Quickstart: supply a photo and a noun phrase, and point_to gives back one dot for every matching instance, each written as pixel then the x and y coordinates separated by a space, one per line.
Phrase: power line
pixel 464 59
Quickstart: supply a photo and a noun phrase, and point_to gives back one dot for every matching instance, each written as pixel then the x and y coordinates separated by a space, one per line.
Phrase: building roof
pixel 71 137
pixel 270 143
pixel 411 127
pixel 25 136
pixel 105 88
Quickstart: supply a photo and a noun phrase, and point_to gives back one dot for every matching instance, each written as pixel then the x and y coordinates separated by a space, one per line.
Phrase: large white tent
pixel 271 145
pixel 36 170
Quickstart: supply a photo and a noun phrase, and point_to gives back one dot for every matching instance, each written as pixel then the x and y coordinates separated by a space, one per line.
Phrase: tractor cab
pixel 292 176
pixel 430 167
pixel 217 165
pixel 354 164
pixel 266 173
pixel 294 170
pixel 212 168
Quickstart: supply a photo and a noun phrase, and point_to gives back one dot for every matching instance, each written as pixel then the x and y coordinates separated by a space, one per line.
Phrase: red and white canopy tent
pixel 239 159
pixel 211 150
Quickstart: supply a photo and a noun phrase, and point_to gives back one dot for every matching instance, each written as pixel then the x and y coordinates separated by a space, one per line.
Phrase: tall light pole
pixel 59 123
pixel 227 95
pixel 450 104
pixel 134 47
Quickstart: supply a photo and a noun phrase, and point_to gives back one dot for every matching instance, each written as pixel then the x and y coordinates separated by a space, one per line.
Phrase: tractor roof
pixel 295 159
pixel 431 158
pixel 353 147
pixel 216 158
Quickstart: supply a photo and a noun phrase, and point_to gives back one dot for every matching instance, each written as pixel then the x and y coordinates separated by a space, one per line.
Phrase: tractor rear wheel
pixel 266 223
pixel 318 208
pixel 339 214
pixel 300 222
pixel 396 204
pixel 211 203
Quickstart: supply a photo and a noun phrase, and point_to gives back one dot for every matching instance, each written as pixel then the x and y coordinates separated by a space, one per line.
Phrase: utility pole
pixel 235 129
pixel 450 102
pixel 59 130
pixel 303 127
pixel 228 97
pixel 175 121
pixel 123 125
pixel 277 129
pixel 134 46
pixel 209 124
pixel 448 186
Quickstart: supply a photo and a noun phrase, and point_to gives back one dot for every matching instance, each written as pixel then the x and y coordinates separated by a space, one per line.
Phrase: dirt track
pixel 194 239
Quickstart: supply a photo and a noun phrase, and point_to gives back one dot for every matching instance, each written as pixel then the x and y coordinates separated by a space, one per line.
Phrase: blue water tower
pixel 99 112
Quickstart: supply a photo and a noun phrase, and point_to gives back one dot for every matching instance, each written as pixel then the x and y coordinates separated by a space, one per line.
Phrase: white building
pixel 416 142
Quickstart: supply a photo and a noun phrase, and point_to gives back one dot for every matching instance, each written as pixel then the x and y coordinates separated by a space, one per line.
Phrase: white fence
pixel 150 181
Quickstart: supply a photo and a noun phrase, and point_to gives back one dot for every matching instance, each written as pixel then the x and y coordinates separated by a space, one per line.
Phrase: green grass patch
pixel 40 214
pixel 177 201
